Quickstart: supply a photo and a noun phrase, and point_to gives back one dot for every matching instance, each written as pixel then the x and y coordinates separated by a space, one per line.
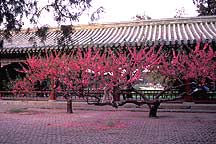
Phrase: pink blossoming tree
pixel 197 65
pixel 115 72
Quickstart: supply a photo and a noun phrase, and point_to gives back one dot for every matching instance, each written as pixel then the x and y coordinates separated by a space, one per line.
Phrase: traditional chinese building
pixel 169 32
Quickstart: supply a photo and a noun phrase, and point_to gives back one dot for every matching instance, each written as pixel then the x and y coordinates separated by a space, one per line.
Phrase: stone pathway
pixel 54 126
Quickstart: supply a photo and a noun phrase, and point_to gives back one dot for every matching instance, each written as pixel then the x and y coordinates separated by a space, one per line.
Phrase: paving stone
pixel 39 126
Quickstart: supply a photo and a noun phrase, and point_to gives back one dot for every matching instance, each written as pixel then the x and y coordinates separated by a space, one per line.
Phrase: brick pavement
pixel 54 126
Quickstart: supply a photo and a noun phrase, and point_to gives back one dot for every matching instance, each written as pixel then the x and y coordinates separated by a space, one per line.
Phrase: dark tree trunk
pixel 116 94
pixel 187 88
pixel 153 109
pixel 69 106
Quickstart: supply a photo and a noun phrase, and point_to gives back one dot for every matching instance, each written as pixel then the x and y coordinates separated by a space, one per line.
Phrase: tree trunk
pixel 69 106
pixel 116 95
pixel 187 88
pixel 153 109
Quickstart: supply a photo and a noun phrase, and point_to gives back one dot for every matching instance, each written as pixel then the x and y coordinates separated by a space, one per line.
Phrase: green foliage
pixel 17 110
pixel 180 13
pixel 110 123
pixel 96 15
pixel 205 7
pixel 143 16
pixel 6 85
pixel 12 12
pixel 66 40
pixel 66 30
pixel 42 32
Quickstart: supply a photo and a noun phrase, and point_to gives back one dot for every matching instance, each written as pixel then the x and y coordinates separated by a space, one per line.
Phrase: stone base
pixel 51 100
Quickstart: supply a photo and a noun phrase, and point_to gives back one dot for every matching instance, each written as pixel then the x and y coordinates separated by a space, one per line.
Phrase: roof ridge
pixel 163 21
pixel 149 22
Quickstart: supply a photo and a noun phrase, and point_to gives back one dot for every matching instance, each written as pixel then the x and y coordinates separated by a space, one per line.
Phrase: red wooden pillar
pixel 52 95
pixel 52 92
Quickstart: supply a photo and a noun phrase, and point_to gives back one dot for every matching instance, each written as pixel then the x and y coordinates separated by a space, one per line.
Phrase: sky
pixel 125 10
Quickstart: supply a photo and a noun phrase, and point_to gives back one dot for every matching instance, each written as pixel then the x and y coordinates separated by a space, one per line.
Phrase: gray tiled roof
pixel 169 31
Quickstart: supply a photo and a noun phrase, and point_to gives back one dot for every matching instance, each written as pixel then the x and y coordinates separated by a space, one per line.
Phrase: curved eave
pixel 113 45
pixel 140 33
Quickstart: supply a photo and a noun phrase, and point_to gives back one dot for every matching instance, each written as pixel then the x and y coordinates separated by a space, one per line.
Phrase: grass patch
pixel 110 123
pixel 18 110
